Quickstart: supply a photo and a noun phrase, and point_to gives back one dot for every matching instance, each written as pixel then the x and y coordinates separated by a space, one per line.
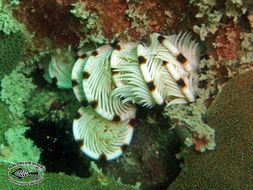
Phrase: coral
pixel 91 26
pixel 235 9
pixel 12 49
pixel 8 24
pixel 246 54
pixel 14 2
pixel 5 120
pixel 191 117
pixel 211 14
pixel 250 18
pixel 16 91
pixel 230 165
pixel 55 181
pixel 139 20
pixel 233 48
pixel 51 105
pixel 226 42
pixel 17 147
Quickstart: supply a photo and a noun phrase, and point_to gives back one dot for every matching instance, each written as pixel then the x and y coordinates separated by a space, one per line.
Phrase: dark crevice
pixel 59 151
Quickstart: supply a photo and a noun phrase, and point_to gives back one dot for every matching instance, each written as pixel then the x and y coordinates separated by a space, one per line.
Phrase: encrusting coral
pixel 12 49
pixel 230 165
pixel 16 91
pixel 5 123
pixel 139 21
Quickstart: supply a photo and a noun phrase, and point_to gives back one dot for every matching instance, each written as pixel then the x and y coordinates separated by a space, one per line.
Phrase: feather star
pixel 113 79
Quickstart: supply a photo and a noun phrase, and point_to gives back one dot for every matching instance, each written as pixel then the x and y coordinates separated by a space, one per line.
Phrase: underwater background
pixel 207 144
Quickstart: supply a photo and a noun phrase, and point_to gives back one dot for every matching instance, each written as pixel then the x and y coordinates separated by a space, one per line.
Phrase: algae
pixel 53 181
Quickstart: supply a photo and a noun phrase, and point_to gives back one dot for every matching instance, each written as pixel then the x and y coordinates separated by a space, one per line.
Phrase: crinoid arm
pixel 60 68
pixel 76 77
pixel 98 86
pixel 189 49
pixel 123 53
pixel 150 68
pixel 131 84
pixel 100 138
pixel 183 48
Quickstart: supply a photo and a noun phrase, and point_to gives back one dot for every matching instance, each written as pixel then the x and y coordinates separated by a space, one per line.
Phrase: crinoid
pixel 113 79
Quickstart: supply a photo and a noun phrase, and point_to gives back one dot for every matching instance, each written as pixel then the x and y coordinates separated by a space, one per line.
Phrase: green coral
pixel 230 165
pixel 16 91
pixel 14 2
pixel 8 24
pixel 5 120
pixel 90 22
pixel 12 49
pixel 17 147
pixel 56 181
pixel 52 105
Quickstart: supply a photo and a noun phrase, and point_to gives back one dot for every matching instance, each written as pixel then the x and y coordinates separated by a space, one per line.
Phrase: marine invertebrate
pixel 51 105
pixel 211 17
pixel 16 91
pixel 111 79
pixel 229 166
pixel 104 140
pixel 5 122
pixel 12 48
pixel 17 147
pixel 90 24
pixel 139 21
pixel 8 23
pixel 58 70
